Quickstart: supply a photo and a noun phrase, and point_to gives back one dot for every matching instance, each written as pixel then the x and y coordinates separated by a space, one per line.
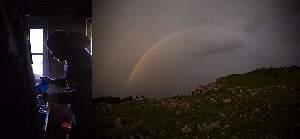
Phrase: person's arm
pixel 60 82
pixel 62 97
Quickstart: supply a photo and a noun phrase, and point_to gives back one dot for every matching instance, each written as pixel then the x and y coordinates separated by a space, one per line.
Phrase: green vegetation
pixel 260 104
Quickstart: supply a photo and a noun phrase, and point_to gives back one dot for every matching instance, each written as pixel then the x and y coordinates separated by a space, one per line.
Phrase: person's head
pixel 78 40
pixel 65 45
pixel 57 43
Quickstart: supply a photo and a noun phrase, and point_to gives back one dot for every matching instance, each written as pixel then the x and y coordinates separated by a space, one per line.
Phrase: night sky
pixel 165 47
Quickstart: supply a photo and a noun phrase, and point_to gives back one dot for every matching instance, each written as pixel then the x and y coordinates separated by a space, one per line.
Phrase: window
pixel 38 36
pixel 37 50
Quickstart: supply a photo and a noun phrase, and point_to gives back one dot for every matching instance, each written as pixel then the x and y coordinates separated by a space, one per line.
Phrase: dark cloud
pixel 288 7
pixel 213 49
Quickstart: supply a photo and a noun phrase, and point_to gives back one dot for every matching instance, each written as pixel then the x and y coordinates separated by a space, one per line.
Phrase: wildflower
pixel 227 100
pixel 178 112
pixel 109 107
pixel 213 100
pixel 118 122
pixel 222 115
pixel 256 110
pixel 186 129
pixel 177 123
pixel 205 126
pixel 215 124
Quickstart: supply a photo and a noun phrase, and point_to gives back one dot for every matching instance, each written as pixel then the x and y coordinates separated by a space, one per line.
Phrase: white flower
pixel 215 124
pixel 223 115
pixel 227 100
pixel 186 129
pixel 118 122
pixel 213 100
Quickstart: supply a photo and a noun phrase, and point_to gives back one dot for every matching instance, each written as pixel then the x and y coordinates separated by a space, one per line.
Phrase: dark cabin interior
pixel 34 21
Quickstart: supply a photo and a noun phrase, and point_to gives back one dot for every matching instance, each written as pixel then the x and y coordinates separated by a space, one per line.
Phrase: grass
pixel 260 104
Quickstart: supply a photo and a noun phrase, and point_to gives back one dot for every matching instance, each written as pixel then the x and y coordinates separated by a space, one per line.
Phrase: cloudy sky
pixel 164 47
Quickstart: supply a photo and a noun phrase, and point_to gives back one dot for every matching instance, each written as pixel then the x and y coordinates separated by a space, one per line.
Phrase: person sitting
pixel 71 48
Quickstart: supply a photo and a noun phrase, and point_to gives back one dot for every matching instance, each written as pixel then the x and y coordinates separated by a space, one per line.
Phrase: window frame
pixel 89 32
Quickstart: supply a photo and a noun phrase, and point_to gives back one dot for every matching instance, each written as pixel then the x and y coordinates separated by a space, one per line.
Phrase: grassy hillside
pixel 260 104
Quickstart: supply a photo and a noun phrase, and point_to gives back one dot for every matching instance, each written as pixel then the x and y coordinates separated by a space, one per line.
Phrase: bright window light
pixel 37 65
pixel 36 41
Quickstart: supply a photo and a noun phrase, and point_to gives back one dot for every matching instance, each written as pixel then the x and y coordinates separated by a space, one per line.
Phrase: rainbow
pixel 167 38
pixel 155 46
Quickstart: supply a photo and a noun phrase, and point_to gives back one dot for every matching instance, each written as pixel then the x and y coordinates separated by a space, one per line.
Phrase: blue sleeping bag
pixel 42 106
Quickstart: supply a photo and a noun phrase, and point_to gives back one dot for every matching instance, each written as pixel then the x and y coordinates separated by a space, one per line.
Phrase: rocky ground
pixel 264 103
